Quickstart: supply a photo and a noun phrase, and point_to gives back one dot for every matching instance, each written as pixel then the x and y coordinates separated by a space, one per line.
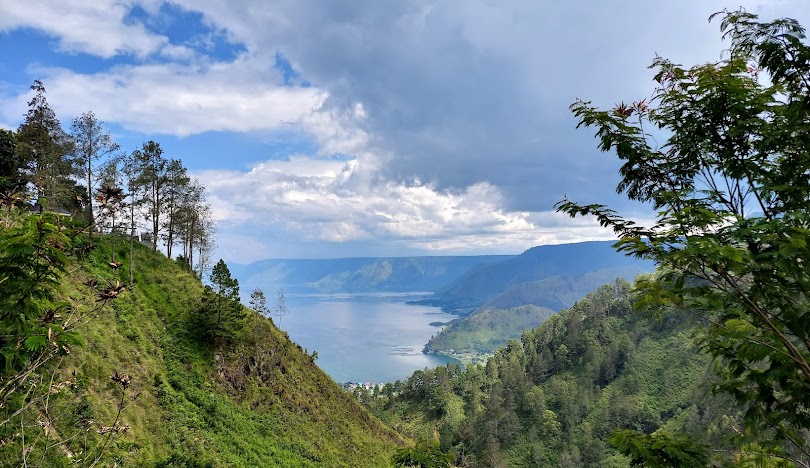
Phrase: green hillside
pixel 517 309
pixel 255 400
pixel 554 397
pixel 485 331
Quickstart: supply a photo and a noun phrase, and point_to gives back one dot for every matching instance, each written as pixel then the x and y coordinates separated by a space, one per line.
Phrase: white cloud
pixel 320 200
pixel 239 248
pixel 95 28
pixel 461 91
pixel 468 95
pixel 181 99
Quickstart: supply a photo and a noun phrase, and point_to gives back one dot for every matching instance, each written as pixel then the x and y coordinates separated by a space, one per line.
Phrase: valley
pixel 493 298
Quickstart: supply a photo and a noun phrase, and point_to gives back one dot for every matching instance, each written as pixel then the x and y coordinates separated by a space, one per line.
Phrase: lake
pixel 373 337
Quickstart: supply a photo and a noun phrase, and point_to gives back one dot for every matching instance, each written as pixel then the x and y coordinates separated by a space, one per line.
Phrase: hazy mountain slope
pixel 397 274
pixel 559 292
pixel 485 282
pixel 505 316
pixel 258 402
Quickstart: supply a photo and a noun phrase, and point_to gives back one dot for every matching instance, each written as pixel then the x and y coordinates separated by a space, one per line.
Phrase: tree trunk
pixel 191 245
pixel 131 241
pixel 170 232
pixel 155 214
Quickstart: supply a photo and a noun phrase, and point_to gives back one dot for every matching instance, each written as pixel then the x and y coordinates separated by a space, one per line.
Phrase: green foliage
pixel 486 330
pixel 258 302
pixel 12 178
pixel 730 185
pixel 177 184
pixel 554 397
pixel 220 315
pixel 424 454
pixel 90 143
pixel 151 178
pixel 43 150
pixel 659 449
pixel 260 402
pixel 33 261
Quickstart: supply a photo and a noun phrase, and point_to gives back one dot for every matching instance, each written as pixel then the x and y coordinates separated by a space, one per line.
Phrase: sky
pixel 327 129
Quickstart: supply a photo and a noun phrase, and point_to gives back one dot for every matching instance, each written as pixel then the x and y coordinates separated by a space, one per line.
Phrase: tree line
pixel 77 171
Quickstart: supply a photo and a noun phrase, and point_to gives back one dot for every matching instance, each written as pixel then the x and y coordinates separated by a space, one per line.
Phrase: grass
pixel 260 401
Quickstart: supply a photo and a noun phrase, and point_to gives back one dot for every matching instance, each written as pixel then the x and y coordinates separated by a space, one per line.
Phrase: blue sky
pixel 364 128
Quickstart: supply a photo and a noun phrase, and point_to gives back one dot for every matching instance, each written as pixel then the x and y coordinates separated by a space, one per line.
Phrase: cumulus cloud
pixel 319 200
pixel 96 28
pixel 468 91
pixel 180 99
pixel 438 125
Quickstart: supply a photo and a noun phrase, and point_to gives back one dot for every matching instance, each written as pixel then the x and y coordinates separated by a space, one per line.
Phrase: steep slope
pixel 553 398
pixel 399 274
pixel 485 282
pixel 260 401
pixel 559 292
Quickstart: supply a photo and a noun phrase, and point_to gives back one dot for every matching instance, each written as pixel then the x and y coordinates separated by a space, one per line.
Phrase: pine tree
pixel 177 184
pixel 221 314
pixel 43 149
pixel 12 177
pixel 153 179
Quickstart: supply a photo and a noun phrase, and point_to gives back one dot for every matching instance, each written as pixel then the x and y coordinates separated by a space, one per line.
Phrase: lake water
pixel 364 337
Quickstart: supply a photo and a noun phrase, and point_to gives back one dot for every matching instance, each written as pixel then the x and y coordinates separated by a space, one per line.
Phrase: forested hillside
pixel 470 338
pixel 554 397
pixel 519 308
pixel 155 375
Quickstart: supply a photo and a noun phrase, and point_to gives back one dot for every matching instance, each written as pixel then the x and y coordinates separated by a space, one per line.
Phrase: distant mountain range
pixel 497 296
pixel 551 276
pixel 498 301
pixel 372 274
pixel 563 274
pixel 559 292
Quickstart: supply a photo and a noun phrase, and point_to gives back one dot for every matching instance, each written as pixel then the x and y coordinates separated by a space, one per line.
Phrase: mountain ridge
pixel 358 274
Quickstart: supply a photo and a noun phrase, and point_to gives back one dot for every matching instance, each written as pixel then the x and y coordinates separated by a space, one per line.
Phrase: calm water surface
pixel 364 337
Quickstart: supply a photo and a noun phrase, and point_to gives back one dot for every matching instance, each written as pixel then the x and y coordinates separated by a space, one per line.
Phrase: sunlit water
pixel 364 337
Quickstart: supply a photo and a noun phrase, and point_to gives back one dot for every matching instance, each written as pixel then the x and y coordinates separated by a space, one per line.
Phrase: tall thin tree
pixel 90 143
pixel 177 183
pixel 153 179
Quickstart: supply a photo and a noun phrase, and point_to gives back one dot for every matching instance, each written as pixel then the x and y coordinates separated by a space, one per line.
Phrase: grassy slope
pixel 262 403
